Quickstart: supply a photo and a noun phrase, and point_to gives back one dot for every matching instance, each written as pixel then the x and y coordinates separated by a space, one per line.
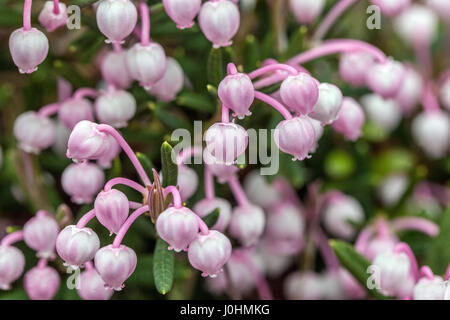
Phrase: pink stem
pixel 126 182
pixel 11 238
pixel 272 67
pixel 49 110
pixel 89 266
pixel 238 192
pixel 231 68
pixel 185 154
pixel 209 184
pixel 423 57
pixel 261 283
pixel 85 92
pixel 88 216
pixel 268 81
pixel 27 15
pixel 123 230
pixel 176 196
pixel 117 47
pixel 42 263
pixel 403 247
pixel 327 253
pixel 225 114
pixel 338 46
pixel 145 23
pixel 202 226
pixel 331 17
pixel 134 160
pixel 56 6
pixel 419 224
pixel 134 204
pixel 273 103
pixel 429 100
pixel 447 273
pixel 426 272
pixel 363 239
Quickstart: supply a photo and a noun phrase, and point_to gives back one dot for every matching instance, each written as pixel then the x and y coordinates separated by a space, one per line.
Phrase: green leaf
pixel 163 267
pixel 215 69
pixel 196 101
pixel 169 167
pixel 211 218
pixel 252 53
pixel 356 264
pixel 146 163
pixel 439 253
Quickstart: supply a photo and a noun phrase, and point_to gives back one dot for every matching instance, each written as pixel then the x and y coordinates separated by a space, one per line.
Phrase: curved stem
pixel 176 196
pixel 261 283
pixel 273 103
pixel 186 154
pixel 231 68
pixel 56 6
pixel 225 114
pixel 270 80
pixel 27 15
pixel 12 238
pixel 123 230
pixel 423 57
pixel 237 191
pixel 363 239
pixel 272 67
pixel 117 47
pixel 85 92
pixel 134 204
pixel 85 219
pixel 42 263
pixel 89 266
pixel 209 184
pixel 331 18
pixel 338 46
pixel 202 225
pixel 49 110
pixel 429 99
pixel 418 224
pixel 326 252
pixel 127 182
pixel 127 149
pixel 425 272
pixel 404 248
pixel 145 23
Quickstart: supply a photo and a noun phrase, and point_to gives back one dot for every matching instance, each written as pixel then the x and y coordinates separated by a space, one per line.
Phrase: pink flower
pixel 111 209
pixel 51 20
pixel 259 191
pixel 92 287
pixel 441 7
pixel 350 119
pixel 417 24
pixel 116 19
pixel 353 67
pixel 178 227
pixel 182 12
pixel 41 283
pixel 392 7
pixel 76 246
pixel 206 206
pixel 112 151
pixel 306 11
pixel 115 265
pixel 385 113
pixel 237 93
pixel 12 263
pixel 219 21
pixel 82 181
pixel 410 93
pixel 222 171
pixel 300 93
pixel 114 69
pixel 86 142
pixel 167 88
pixel 34 132
pixel 328 105
pixel 28 48
pixel 386 78
pixel 40 233
pixel 247 224
pixel 187 182
pixel 115 107
pixel 430 288
pixel 75 110
pixel 431 131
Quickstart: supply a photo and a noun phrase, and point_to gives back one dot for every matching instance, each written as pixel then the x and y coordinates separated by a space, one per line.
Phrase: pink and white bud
pixel 86 142
pixel 236 92
pixel 116 19
pixel 386 78
pixel 274 263
pixel 247 224
pixel 239 275
pixel 92 287
pixel 225 142
pixel 112 151
pixel 12 263
pixel 40 233
pixel 441 7
pixel 115 107
pixel 444 94
pixel 28 48
pixel 206 206
pixel 259 191
pixel 350 119
pixel 318 129
pixel 51 20
pixel 178 227
pixel 430 289
pixel 296 136
pixel 431 131
pixel 182 12
pixel 300 93
pixel 392 188
pixel 187 182
pixel 410 93
pixel 171 83
pixel 219 21
pixel 41 283
pixel 306 11
pixel 304 286
pixel 114 69
pixel 339 215
pixel 223 172
pixel 209 253
pixel 417 25
pixel 34 132
pixel 392 8
pixel 111 209
pixel 75 110
pixel 82 181
pixel 115 265
pixel 328 105
pixel 76 246
pixel 379 243
pixel 353 67
pixel 385 113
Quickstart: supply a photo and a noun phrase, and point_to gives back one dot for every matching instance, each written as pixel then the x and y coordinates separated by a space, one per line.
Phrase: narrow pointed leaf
pixel 169 167
pixel 163 267
pixel 211 218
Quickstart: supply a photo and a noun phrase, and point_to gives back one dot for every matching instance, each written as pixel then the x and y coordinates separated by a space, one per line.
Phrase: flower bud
pixel 34 132
pixel 178 227
pixel 339 214
pixel 209 253
pixel 146 64
pixel 353 67
pixel 392 188
pixel 223 172
pixel 328 104
pixel 430 289
pixel 410 93
pixel 386 78
pixel 441 7
pixel 318 129
pixel 392 8
pixel 51 20
pixel 41 283
pixel 417 24
pixel 86 142
pixel 82 181
pixel 75 110
pixel 112 151
pixel 236 92
pixel 206 206
pixel 247 224
pixel 240 276
pixel 182 12
pixel 12 263
pixel 111 209
pixel 350 119
pixel 114 70
pixel 225 142
pixel 116 19
pixel 76 246
pixel 300 93
pixel 115 265
pixel 115 107
pixel 167 88
pixel 259 191
pixel 385 113
pixel 219 21
pixel 92 287
pixel 187 182
pixel 431 130
pixel 306 11
pixel 28 48
pixel 296 136
pixel 40 233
